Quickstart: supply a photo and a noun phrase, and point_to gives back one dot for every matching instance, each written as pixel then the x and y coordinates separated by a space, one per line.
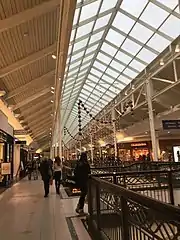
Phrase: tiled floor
pixel 25 214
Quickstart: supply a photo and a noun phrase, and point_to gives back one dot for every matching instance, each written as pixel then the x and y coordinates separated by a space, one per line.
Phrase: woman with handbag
pixel 57 173
pixel 46 173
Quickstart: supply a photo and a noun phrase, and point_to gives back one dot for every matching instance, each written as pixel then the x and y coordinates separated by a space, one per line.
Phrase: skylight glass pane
pixel 158 43
pixel 104 58
pixel 171 27
pixel 83 30
pixel 107 4
pixel 155 20
pixel 100 66
pixel 141 33
pixel 87 58
pixel 96 37
pixel 101 22
pixel 76 56
pixel 123 57
pixel 134 7
pixel 137 65
pixel 95 79
pixel 118 85
pixel 108 49
pixel 107 79
pixel 80 44
pixel 131 47
pixel 91 49
pixel 75 65
pixel 117 65
pixel 130 73
pixel 123 22
pixel 169 3
pixel 115 38
pixel 146 55
pixel 89 10
pixel 95 72
pixel 90 83
pixel 93 98
pixel 112 73
pixel 123 79
pixel 76 15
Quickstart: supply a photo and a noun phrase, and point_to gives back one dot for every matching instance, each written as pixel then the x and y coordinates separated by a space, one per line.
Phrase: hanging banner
pixel 171 124
pixel 5 168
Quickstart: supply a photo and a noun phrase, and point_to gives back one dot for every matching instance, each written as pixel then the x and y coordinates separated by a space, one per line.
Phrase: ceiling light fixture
pixel 2 93
pixel 161 63
pixel 52 92
pixel 52 101
pixel 126 93
pixel 54 56
pixel 177 49
pixel 52 88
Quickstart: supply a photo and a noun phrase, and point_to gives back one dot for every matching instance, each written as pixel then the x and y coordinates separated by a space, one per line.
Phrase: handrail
pixel 139 198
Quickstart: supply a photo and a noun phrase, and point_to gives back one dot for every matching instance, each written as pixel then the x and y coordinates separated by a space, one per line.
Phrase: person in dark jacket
pixel 46 173
pixel 81 173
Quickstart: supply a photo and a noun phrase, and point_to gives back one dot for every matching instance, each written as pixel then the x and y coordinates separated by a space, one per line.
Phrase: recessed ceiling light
pixel 168 131
pixel 54 56
pixel 146 132
pixel 52 101
pixel 52 88
pixel 161 63
pixel 2 93
pixel 177 49
pixel 52 92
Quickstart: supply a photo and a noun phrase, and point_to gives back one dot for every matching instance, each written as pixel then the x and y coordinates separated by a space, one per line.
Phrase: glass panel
pixel 159 15
pixel 94 79
pixel 131 47
pixel 112 73
pixel 96 37
pixel 101 22
pixel 146 55
pixel 123 57
pixel 76 15
pixel 115 37
pixel 95 72
pixel 169 3
pixel 108 5
pixel 158 43
pixel 80 44
pixel 93 98
pixel 123 22
pixel 171 27
pixel 100 66
pixel 123 79
pixel 137 65
pixel 141 33
pixel 76 56
pixel 130 73
pixel 86 58
pixel 89 10
pixel 107 48
pixel 91 49
pixel 108 79
pixel 117 65
pixel 85 29
pixel 103 58
pixel 134 7
pixel 118 85
pixel 74 65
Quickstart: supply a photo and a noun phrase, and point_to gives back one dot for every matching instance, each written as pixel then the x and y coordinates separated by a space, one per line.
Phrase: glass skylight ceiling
pixel 112 41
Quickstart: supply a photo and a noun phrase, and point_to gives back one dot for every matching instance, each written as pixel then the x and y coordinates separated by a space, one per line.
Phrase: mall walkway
pixel 25 214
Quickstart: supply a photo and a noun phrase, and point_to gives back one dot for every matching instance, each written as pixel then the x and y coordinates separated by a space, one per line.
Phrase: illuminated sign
pixel 138 144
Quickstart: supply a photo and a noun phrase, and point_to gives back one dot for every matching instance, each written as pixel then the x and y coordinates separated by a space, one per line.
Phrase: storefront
pixel 6 158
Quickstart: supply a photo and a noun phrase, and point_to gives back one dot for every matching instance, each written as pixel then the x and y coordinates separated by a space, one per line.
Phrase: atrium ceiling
pixel 111 43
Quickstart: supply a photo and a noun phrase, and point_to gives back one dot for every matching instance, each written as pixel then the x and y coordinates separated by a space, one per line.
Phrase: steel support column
pixel 151 119
pixel 114 132
pixel 92 153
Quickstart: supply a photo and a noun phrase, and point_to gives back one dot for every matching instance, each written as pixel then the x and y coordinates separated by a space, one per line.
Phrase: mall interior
pixel 94 76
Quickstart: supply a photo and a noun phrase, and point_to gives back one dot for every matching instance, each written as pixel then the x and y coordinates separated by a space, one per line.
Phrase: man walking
pixel 46 173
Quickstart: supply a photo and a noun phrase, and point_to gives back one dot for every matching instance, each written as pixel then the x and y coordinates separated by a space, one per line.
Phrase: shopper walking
pixel 46 173
pixel 57 174
pixel 81 174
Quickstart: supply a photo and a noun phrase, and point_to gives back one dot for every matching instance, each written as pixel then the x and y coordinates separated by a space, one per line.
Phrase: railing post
pixel 98 207
pixel 90 198
pixel 124 219
pixel 170 186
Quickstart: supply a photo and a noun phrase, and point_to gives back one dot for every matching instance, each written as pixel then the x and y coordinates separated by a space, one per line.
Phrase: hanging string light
pixel 79 117
pixel 67 131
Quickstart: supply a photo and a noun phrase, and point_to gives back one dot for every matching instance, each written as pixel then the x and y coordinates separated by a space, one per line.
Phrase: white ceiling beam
pixel 28 14
pixel 41 126
pixel 40 113
pixel 31 98
pixel 28 60
pixel 29 85
pixel 41 119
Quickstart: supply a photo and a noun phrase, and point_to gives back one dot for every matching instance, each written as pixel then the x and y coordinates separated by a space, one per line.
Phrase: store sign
pixel 138 144
pixel 20 142
pixel 171 124
pixel 20 132
pixel 5 168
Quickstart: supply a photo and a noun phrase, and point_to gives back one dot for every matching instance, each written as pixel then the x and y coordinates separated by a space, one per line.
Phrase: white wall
pixel 4 125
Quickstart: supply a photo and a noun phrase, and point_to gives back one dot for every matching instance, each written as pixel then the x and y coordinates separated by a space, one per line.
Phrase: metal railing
pixel 117 213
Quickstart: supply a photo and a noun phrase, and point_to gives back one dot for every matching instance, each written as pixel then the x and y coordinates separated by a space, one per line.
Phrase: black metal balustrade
pixel 117 213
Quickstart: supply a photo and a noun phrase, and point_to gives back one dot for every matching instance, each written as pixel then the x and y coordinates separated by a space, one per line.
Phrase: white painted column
pixel 158 147
pixel 92 154
pixel 114 132
pixel 151 119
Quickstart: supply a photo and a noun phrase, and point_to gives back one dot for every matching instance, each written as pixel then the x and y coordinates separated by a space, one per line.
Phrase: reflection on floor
pixel 26 215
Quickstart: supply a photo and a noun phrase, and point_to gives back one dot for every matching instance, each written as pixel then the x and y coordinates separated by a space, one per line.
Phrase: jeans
pixel 46 186
pixel 84 190
pixel 57 178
